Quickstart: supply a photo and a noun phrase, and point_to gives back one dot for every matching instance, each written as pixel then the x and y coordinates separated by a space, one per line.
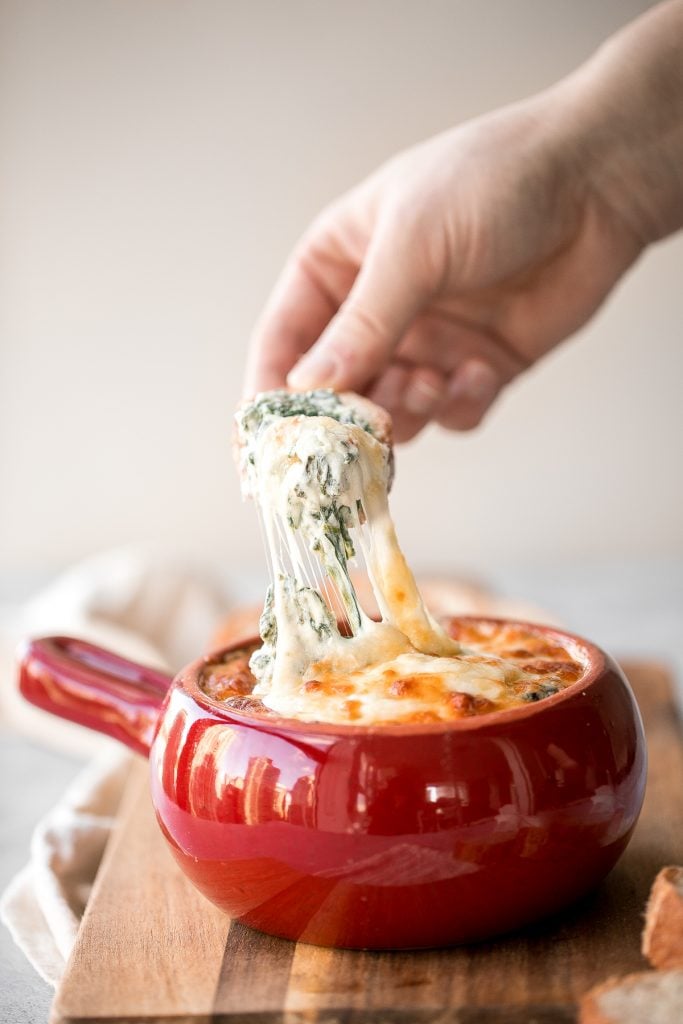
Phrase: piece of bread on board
pixel 650 997
pixel 663 932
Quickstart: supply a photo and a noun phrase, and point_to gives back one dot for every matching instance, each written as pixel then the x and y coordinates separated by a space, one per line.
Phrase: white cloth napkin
pixel 147 610
pixel 43 905
pixel 159 614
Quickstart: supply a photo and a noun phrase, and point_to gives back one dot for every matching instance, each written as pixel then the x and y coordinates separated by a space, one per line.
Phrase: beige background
pixel 157 161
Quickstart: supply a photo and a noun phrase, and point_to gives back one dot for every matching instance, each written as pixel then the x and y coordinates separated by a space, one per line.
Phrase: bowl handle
pixel 94 687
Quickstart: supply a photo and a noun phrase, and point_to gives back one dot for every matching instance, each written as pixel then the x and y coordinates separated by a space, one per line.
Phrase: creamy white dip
pixel 321 486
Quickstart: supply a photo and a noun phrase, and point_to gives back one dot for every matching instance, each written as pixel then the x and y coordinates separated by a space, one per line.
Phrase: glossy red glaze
pixel 400 836
pixel 94 687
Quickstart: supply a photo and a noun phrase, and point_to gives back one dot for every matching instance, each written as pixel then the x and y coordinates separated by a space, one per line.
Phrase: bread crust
pixel 663 932
pixel 622 1000
pixel 378 417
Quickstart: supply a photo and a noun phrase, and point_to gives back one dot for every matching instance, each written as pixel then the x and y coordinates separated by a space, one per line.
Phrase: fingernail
pixel 475 381
pixel 421 397
pixel 319 370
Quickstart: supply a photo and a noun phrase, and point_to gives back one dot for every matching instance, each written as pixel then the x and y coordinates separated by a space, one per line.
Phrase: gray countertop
pixel 630 609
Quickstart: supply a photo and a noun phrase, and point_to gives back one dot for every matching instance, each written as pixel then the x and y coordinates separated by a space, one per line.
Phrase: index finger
pixel 296 313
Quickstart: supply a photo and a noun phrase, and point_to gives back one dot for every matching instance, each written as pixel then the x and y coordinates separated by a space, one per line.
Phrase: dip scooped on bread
pixel 319 466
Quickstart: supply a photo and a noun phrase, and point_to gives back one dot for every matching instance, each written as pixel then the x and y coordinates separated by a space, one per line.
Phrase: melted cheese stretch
pixel 321 486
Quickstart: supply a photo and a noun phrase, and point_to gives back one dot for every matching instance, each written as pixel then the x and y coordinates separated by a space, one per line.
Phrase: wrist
pixel 623 117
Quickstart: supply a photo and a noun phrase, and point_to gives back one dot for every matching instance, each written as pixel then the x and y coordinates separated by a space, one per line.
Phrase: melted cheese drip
pixel 319 483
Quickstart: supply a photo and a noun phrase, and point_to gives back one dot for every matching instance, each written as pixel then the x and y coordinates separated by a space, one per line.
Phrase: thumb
pixel 358 342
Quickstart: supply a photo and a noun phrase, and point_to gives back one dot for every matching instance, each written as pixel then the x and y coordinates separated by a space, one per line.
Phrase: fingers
pixel 425 392
pixel 472 389
pixel 388 392
pixel 422 397
pixel 297 311
pixel 444 370
pixel 412 395
pixel 446 340
pixel 358 342
pixel 416 396
pixel 329 324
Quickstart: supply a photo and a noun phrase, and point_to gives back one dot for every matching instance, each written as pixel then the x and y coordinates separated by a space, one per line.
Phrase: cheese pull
pixel 319 467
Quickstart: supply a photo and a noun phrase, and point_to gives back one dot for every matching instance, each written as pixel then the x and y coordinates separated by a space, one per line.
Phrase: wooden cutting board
pixel 152 950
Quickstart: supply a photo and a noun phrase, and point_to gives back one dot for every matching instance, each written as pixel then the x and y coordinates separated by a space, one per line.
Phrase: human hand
pixel 451 269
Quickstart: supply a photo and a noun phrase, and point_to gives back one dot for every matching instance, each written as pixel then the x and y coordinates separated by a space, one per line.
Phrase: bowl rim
pixel 597 662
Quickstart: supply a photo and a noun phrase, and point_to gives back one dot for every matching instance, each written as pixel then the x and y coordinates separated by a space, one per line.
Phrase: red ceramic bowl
pixel 383 838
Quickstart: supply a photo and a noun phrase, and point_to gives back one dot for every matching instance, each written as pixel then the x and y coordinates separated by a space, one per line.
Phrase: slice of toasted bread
pixel 650 997
pixel 663 933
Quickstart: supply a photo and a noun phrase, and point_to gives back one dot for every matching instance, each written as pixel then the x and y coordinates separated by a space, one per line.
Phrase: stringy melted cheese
pixel 321 486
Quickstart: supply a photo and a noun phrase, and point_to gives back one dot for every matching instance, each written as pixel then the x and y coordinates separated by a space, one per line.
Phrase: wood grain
pixel 149 944
pixel 152 950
